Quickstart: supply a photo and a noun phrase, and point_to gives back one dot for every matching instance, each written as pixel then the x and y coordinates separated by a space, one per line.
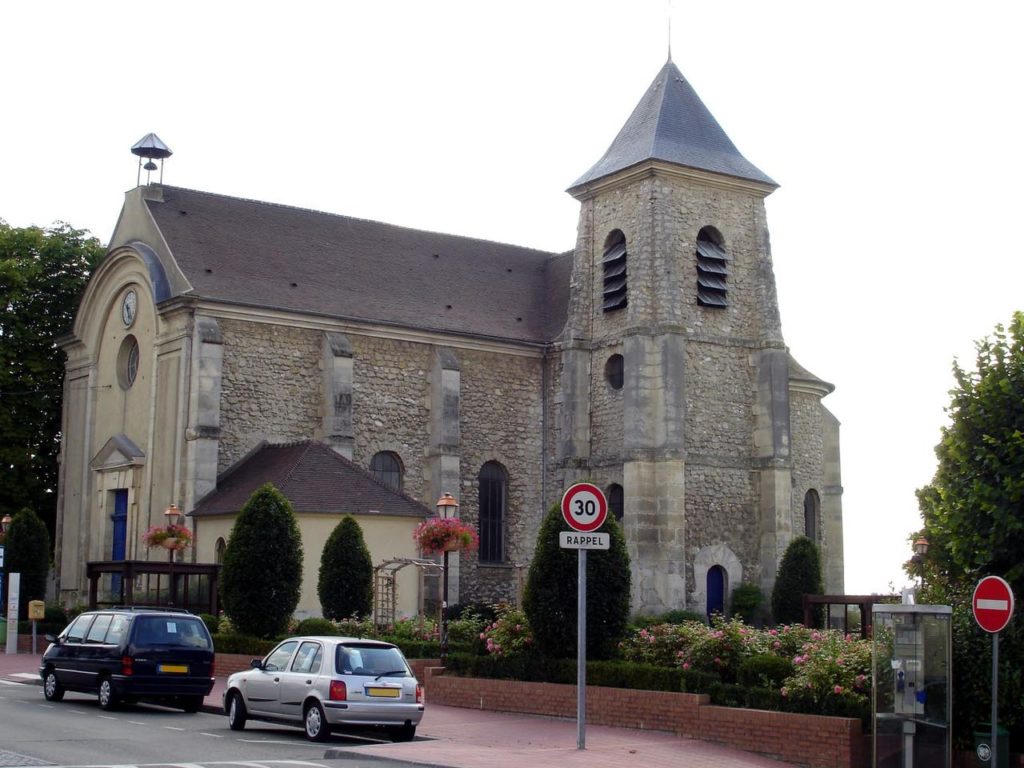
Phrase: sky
pixel 893 128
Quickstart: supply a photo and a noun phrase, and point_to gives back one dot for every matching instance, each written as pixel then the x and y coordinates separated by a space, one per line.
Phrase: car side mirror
pixel 52 639
pixel 256 663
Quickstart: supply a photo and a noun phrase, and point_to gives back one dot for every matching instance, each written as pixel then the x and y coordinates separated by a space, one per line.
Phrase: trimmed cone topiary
pixel 345 586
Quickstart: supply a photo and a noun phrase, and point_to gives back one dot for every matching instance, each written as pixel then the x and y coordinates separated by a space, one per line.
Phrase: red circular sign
pixel 992 604
pixel 584 507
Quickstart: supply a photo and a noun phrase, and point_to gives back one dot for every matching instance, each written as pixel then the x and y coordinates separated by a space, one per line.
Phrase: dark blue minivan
pixel 129 655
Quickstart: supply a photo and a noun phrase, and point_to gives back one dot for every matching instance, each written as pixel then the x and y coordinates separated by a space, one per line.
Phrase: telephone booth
pixel 912 703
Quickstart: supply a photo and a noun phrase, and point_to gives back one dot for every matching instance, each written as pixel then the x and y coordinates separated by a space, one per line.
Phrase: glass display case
pixel 911 682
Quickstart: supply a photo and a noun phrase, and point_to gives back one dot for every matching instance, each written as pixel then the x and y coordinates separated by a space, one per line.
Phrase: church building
pixel 367 369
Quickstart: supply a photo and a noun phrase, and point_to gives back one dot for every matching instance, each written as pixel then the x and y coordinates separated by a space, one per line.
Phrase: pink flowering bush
pixel 509 634
pixel 830 665
pixel 830 673
pixel 662 644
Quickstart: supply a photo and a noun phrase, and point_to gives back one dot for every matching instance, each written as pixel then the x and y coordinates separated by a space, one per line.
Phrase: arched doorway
pixel 716 579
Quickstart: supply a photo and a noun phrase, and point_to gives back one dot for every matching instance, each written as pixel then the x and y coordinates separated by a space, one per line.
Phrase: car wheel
pixel 191 704
pixel 316 723
pixel 106 696
pixel 405 732
pixel 236 712
pixel 52 689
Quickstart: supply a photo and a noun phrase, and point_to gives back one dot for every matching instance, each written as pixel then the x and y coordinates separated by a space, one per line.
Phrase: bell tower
pixel 675 375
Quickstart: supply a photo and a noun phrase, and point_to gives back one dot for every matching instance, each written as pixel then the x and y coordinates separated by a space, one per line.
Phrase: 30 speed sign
pixel 584 507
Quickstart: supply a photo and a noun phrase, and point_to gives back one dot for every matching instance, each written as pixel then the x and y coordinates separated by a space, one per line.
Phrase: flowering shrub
pixel 831 665
pixel 439 534
pixel 662 644
pixel 158 534
pixel 831 672
pixel 509 634
pixel 723 647
pixel 354 626
pixel 419 628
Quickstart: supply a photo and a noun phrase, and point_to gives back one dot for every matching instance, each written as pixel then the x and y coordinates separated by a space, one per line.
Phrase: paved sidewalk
pixel 468 738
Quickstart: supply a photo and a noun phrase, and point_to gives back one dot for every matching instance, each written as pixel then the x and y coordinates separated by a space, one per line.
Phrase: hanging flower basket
pixel 444 535
pixel 168 536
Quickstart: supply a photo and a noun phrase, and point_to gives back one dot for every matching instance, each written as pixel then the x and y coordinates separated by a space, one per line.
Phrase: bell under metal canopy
pixel 152 147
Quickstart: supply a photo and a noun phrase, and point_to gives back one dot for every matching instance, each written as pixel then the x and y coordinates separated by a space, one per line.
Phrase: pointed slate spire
pixel 672 124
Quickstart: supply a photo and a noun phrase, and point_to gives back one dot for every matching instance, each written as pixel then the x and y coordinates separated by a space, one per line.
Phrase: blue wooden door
pixel 120 535
pixel 716 590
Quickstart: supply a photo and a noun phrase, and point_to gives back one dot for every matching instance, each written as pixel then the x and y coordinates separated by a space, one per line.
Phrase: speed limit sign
pixel 584 507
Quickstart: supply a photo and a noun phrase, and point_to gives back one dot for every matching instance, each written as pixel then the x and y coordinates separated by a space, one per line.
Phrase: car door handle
pixel 309 682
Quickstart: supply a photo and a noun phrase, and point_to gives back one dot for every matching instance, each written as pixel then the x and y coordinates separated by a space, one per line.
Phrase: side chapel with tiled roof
pixel 367 368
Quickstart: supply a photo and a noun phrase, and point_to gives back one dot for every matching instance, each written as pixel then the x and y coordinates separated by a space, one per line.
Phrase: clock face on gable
pixel 129 305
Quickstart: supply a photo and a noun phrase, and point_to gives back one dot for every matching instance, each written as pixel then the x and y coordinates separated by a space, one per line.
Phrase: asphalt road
pixel 76 732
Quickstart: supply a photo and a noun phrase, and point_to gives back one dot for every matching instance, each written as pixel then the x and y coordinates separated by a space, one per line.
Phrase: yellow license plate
pixel 181 669
pixel 391 693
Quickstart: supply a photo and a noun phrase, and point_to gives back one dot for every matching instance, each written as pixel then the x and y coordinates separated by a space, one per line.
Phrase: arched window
pixel 218 551
pixel 613 262
pixel 493 498
pixel 812 509
pixel 386 469
pixel 615 501
pixel 712 269
pixel 716 585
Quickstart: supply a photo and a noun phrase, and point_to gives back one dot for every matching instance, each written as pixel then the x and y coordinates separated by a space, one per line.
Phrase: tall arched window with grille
pixel 712 269
pixel 493 498
pixel 386 469
pixel 613 262
pixel 812 509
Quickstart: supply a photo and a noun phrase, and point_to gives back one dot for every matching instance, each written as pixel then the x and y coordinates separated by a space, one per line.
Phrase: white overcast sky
pixel 894 129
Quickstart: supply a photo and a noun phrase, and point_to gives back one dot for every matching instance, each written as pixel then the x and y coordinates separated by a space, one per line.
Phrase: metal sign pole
pixel 581 652
pixel 995 698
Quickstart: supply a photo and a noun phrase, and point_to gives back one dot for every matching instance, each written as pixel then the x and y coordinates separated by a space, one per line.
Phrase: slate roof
pixel 313 477
pixel 277 257
pixel 672 124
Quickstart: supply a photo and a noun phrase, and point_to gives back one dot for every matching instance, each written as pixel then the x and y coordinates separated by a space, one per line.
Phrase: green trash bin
pixel 983 747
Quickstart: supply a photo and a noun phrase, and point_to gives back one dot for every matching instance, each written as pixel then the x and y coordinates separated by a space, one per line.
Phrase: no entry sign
pixel 584 507
pixel 992 604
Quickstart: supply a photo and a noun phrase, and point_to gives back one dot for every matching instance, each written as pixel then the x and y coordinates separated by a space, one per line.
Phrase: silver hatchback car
pixel 326 684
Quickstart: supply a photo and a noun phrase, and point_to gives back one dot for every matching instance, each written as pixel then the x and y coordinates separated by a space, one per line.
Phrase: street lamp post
pixel 447 507
pixel 920 550
pixel 172 514
pixel 5 522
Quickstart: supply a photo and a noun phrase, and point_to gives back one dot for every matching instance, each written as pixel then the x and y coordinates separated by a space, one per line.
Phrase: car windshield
pixel 172 631
pixel 371 660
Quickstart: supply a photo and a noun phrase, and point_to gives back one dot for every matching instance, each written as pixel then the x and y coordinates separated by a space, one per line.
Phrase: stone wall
pixel 501 421
pixel 271 386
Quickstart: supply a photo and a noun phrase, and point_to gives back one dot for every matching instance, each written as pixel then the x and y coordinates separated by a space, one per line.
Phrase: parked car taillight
pixel 126 665
pixel 212 665
pixel 419 693
pixel 339 691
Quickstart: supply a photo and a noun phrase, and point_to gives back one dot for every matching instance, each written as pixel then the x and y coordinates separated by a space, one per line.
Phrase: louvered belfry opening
pixel 614 263
pixel 712 269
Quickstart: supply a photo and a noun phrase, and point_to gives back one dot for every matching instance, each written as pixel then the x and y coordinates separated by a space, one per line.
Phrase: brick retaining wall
pixel 813 740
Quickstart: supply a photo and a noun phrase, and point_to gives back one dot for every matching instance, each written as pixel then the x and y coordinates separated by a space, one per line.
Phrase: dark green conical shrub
pixel 346 573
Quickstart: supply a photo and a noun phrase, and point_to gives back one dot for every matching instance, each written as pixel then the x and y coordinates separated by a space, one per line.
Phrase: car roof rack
pixel 153 608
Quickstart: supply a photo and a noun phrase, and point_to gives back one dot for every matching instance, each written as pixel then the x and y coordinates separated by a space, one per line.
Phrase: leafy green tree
pixel 799 574
pixel 346 573
pixel 973 513
pixel 261 577
pixel 974 507
pixel 550 597
pixel 42 275
pixel 28 553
